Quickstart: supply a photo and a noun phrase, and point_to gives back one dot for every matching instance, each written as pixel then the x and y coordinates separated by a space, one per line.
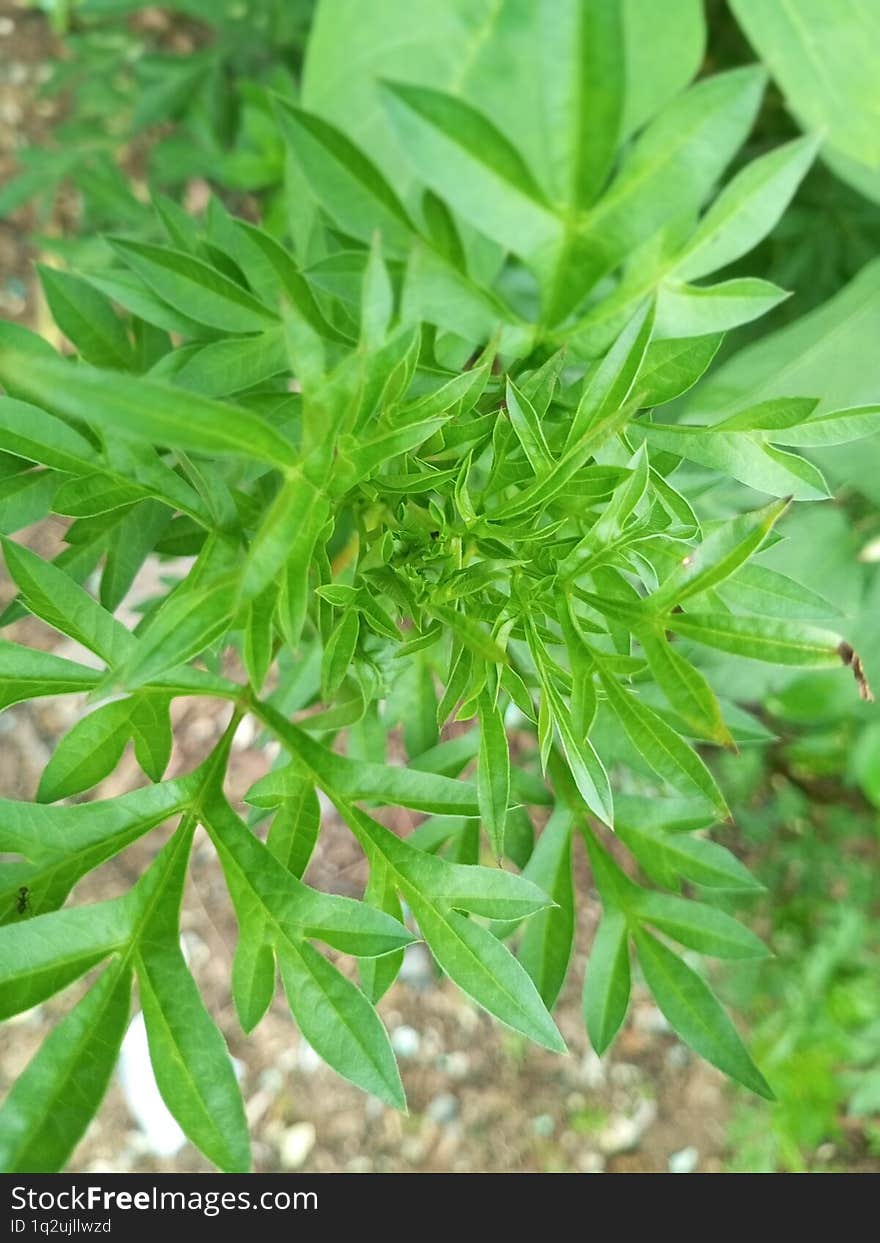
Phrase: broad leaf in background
pixel 466 48
pixel 823 55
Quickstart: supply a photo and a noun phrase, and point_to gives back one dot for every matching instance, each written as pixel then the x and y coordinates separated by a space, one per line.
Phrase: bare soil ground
pixel 25 49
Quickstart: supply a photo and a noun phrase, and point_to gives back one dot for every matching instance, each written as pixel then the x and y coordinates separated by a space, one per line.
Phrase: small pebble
pixel 677 1057
pixel 456 1064
pixel 648 1019
pixel 685 1161
pixel 469 1018
pixel 271 1080
pixel 296 1145
pixel 417 970
pixel 307 1060
pixel 405 1041
pixel 103 1165
pixel 623 1133
pixel 374 1108
pixel 443 1109
pixel 256 1106
pixel 591 1162
pixel 287 1059
pixel 593 1071
pixel 245 735
pixel 412 1149
pixel 626 1074
pixel 162 1135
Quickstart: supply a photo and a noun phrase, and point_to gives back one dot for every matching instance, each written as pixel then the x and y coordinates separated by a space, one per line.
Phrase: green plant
pixel 410 440
pixel 815 1019
pixel 134 104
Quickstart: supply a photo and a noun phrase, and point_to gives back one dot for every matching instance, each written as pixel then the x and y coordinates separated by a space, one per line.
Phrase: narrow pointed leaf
pixel 55 598
pixel 546 946
pixel 87 752
pixel 42 955
pixel 460 154
pixel 194 288
pixel 747 208
pixel 607 982
pixel 703 928
pixel 339 1023
pixel 261 886
pixel 485 969
pixel 55 1098
pixel 349 186
pixel 719 555
pixel 190 1059
pixel 687 310
pixel 87 319
pixel 378 974
pixel 664 750
pixel 672 366
pixel 695 1014
pixel 685 688
pixel 669 857
pixel 29 674
pixel 148 412
pixel 761 638
pixel 836 427
pixel 493 772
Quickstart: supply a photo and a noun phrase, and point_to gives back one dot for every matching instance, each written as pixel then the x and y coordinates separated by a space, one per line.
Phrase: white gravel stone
pixel 443 1109
pixel 626 1074
pixel 678 1056
pixel 271 1080
pixel 296 1144
pixel 374 1109
pixel 457 1064
pixel 246 734
pixel 624 1132
pixel 593 1071
pixel 413 1150
pixel 647 1018
pixel 685 1161
pixel 405 1041
pixel 417 970
pixel 307 1060
pixel 162 1136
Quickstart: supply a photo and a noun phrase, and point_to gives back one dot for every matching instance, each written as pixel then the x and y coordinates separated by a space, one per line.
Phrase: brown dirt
pixel 26 46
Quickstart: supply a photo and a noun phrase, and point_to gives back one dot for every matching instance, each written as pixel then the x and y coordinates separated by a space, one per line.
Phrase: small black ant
pixel 24 899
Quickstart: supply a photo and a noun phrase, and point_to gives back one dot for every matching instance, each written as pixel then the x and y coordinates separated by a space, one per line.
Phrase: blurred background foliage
pixel 155 97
